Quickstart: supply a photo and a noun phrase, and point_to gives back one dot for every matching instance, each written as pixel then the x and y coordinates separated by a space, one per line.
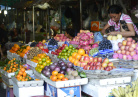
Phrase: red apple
pixel 133 41
pixel 91 67
pixel 94 68
pixel 127 53
pixel 99 59
pixel 94 63
pixel 133 53
pixel 83 64
pixel 131 49
pixel 91 59
pixel 123 47
pixel 133 45
pixel 124 57
pixel 119 44
pixel 106 60
pixel 119 51
pixel 91 63
pixel 124 42
pixel 104 64
pixel 107 69
pixel 95 59
pixel 85 67
pixel 98 64
pixel 126 48
pixel 128 43
pixel 123 52
pixel 110 67
pixel 86 59
pixel 98 67
pixel 110 64
pixel 136 48
pixel 129 39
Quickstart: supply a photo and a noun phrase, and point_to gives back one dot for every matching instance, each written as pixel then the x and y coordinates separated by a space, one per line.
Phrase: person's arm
pixel 131 31
pixel 105 27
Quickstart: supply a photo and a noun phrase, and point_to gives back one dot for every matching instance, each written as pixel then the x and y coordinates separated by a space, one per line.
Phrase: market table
pixel 9 90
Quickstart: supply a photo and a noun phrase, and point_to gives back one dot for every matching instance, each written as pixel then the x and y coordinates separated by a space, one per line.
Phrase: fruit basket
pixel 7 80
pixel 23 60
pixel 69 83
pixel 32 83
pixel 16 56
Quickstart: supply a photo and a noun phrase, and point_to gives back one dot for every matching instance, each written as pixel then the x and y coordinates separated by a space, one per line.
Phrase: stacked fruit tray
pixel 99 74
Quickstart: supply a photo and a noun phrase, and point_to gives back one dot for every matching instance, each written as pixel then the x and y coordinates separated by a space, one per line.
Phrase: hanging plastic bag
pixel 98 37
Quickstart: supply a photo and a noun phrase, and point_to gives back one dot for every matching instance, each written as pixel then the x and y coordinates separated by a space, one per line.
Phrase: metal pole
pixel 60 18
pixel 33 25
pixel 49 23
pixel 24 28
pixel 81 14
pixel 46 22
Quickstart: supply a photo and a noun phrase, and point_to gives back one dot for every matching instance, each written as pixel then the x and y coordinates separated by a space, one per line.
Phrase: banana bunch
pixel 128 91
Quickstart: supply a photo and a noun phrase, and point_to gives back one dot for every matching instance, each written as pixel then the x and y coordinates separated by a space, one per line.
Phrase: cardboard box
pixel 97 25
pixel 62 92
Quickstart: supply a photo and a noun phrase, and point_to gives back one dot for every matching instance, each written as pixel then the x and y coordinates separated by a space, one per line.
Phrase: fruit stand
pixel 60 67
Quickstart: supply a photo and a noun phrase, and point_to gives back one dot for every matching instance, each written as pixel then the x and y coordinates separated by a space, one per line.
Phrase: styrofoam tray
pixel 9 57
pixel 16 56
pixel 28 91
pixel 9 54
pixel 23 60
pixel 33 83
pixel 110 81
pixel 7 80
pixel 31 63
pixel 9 75
pixel 61 84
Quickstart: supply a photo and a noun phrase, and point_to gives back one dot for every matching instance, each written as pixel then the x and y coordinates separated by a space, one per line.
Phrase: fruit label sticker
pixel 51 91
pixel 69 92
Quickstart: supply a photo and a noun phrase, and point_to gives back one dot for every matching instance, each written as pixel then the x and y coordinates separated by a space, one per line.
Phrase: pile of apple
pixel 61 38
pixel 57 51
pixel 97 63
pixel 128 50
pixel 110 37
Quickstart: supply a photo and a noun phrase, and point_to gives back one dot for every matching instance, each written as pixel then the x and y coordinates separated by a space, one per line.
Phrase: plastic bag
pixel 98 37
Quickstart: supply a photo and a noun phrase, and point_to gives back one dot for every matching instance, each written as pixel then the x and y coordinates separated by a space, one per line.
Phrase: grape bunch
pixel 93 51
pixel 52 42
pixel 105 44
pixel 33 44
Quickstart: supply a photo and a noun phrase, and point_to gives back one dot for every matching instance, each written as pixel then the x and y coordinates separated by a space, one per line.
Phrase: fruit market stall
pixel 63 66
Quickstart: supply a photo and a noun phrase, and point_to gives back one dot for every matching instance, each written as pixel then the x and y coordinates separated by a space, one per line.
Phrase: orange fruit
pixel 28 47
pixel 76 62
pixel 85 55
pixel 78 56
pixel 42 56
pixel 54 78
pixel 58 80
pixel 70 58
pixel 24 74
pixel 60 76
pixel 81 51
pixel 23 69
pixel 74 54
pixel 73 59
pixel 20 73
pixel 64 79
pixel 55 73
pixel 48 61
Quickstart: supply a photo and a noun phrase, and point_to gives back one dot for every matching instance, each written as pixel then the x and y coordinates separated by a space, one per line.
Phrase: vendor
pixel 70 33
pixel 121 23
